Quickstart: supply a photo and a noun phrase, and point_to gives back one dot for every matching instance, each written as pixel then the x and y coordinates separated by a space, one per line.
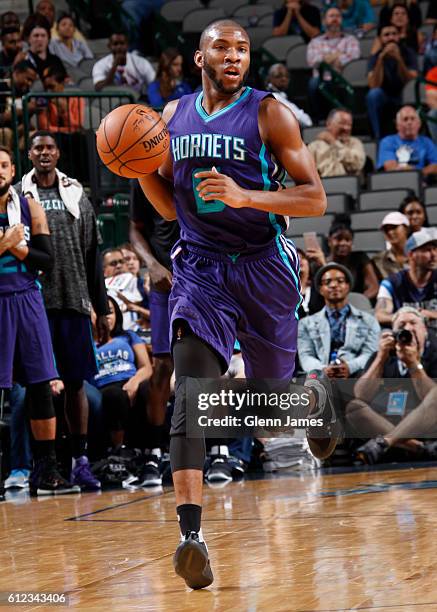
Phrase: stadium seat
pixel 370 242
pixel 227 5
pixel 309 133
pixel 319 225
pixel 258 35
pixel 197 20
pixel 86 66
pixel 432 215
pixel 366 47
pixel 356 72
pixel 337 203
pixel 409 92
pixel 297 57
pixel 279 46
pixel 342 184
pixel 369 220
pixel 253 10
pixel 176 10
pixel 371 150
pixel 99 46
pixel 407 179
pixel 360 301
pixel 430 195
pixel 266 21
pixel 384 199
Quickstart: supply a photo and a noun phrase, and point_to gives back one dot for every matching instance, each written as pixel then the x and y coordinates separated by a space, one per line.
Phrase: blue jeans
pixel 21 453
pixel 377 101
pixel 97 432
pixel 241 448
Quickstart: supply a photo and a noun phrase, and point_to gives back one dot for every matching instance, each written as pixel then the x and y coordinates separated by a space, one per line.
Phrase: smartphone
pixel 310 240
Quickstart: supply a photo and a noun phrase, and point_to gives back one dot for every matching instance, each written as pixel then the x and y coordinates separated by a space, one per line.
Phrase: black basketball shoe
pixel 323 439
pixel 191 562
pixel 45 479
pixel 372 451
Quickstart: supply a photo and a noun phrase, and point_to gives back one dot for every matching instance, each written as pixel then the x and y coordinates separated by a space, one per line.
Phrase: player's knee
pixel 186 453
pixel 40 401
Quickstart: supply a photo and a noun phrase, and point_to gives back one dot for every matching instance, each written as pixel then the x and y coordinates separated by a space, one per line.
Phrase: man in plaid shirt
pixel 334 47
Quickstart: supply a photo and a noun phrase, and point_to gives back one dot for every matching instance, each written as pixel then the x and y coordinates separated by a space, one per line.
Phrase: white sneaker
pixel 17 479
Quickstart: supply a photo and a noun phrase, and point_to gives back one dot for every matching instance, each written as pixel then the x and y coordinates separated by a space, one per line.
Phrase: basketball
pixel 132 141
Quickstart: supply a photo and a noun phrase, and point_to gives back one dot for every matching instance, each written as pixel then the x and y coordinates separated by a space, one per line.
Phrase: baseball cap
pixel 333 266
pixel 394 218
pixel 420 238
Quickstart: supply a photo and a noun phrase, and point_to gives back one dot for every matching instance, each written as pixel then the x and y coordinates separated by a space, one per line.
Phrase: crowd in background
pixel 354 306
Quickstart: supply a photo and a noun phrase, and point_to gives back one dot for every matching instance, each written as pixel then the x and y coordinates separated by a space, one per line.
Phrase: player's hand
pixel 102 328
pixel 131 388
pixel 13 236
pixel 160 277
pixel 56 386
pixel 217 186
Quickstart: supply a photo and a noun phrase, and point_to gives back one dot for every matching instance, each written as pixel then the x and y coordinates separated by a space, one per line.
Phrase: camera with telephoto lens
pixel 403 336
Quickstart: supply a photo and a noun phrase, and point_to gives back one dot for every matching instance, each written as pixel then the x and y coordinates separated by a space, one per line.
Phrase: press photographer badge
pixel 397 403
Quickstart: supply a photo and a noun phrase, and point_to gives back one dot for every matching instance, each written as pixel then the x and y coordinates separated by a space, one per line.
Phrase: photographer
pixel 398 409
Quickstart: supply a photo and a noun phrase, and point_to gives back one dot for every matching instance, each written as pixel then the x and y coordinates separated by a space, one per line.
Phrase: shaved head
pixel 213 31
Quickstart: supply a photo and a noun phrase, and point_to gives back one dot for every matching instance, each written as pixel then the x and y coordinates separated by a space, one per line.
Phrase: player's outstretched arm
pixel 158 186
pixel 280 133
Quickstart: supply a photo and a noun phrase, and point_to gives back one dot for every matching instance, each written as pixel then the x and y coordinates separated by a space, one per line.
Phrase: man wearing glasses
pixel 338 340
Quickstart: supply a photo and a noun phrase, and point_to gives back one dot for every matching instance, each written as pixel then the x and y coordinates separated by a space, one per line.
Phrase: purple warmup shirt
pixel 230 141
pixel 14 275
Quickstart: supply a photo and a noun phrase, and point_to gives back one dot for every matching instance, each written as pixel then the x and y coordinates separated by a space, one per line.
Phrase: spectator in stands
pixel 335 48
pixel 414 12
pixel 408 34
pixel 121 285
pixel 390 69
pixel 431 99
pixel 36 32
pixel 431 16
pixel 340 242
pixel 23 77
pixel 169 83
pixel 414 209
pixel 133 266
pixel 407 150
pixel 278 81
pixel 9 20
pixel 47 8
pixel 358 15
pixel 69 49
pixel 312 300
pixel 430 53
pixel 74 285
pixel 339 339
pixel 61 114
pixel 335 151
pixel 124 369
pixel 394 414
pixel 298 17
pixel 395 227
pixel 121 67
pixel 416 286
pixel 11 45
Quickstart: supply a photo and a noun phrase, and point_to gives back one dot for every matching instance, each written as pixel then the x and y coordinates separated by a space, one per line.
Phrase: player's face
pixel 7 171
pixel 44 154
pixel 226 58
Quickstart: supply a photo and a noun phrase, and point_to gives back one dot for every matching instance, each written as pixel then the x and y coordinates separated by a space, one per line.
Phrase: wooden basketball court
pixel 356 541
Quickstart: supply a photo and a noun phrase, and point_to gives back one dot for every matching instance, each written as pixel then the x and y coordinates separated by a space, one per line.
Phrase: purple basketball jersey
pixel 230 141
pixel 14 275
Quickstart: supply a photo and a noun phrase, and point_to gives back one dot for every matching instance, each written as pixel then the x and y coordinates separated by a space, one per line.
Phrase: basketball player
pixel 234 275
pixel 74 284
pixel 25 343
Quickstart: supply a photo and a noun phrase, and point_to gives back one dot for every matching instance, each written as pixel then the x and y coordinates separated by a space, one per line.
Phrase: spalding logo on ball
pixel 133 141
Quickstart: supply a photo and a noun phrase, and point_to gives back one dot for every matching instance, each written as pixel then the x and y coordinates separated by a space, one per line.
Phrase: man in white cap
pixel 394 259
pixel 416 286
